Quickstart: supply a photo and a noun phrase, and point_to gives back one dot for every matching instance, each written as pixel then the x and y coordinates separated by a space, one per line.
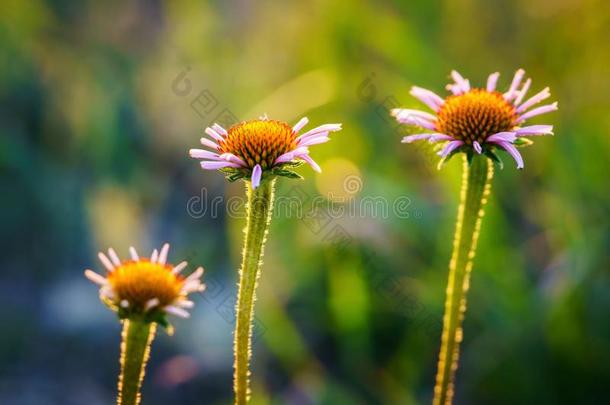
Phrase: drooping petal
pixel 299 125
pixel 171 309
pixel 535 130
pixel 537 111
pixel 311 162
pixel 477 147
pixel 450 147
pixel 492 80
pixel 510 148
pixel 256 176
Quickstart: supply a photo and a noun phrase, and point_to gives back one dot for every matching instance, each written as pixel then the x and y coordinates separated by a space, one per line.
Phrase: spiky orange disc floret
pixel 476 115
pixel 140 281
pixel 259 141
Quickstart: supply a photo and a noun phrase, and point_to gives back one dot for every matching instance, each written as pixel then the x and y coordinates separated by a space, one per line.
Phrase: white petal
pixel 163 254
pixel 114 257
pixel 174 310
pixel 154 256
pixel 96 278
pixel 299 125
pixel 151 303
pixel 177 269
pixel 133 253
pixel 107 263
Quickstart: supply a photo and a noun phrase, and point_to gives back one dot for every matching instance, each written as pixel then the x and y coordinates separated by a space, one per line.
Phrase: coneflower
pixel 476 122
pixel 257 151
pixel 142 291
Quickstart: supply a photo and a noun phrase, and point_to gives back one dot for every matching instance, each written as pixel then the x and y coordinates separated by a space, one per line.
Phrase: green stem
pixel 260 203
pixel 135 349
pixel 476 185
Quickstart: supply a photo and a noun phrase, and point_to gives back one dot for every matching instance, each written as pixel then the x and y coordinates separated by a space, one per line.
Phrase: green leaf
pixel 287 173
pixel 522 142
pixel 292 164
pixel 495 158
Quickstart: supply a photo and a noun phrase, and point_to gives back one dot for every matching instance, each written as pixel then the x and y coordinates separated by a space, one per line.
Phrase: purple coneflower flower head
pixel 147 288
pixel 258 148
pixel 478 120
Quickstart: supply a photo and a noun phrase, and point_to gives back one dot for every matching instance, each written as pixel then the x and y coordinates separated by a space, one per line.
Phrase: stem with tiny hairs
pixel 260 203
pixel 136 339
pixel 476 186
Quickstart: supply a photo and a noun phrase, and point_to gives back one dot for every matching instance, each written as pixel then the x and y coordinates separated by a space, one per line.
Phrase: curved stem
pixel 476 186
pixel 260 203
pixel 135 350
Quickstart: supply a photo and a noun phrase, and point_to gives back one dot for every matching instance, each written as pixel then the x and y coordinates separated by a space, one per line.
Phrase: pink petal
pixel 213 134
pixel 427 97
pixel 311 162
pixel 537 111
pixel 440 138
pixel 513 152
pixel 418 137
pixel 407 112
pixel 462 84
pixel 492 80
pixel 501 137
pixel 257 173
pixel 522 92
pixel 535 130
pixel 320 129
pixel 417 122
pixel 229 157
pixel 510 94
pixel 208 143
pixel 535 99
pixel 217 165
pixel 203 154
pixel 315 140
pixel 299 125
pixel 477 147
pixel 220 129
pixel 450 147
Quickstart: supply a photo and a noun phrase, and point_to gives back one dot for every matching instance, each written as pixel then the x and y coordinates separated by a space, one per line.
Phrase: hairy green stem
pixel 476 185
pixel 135 349
pixel 260 203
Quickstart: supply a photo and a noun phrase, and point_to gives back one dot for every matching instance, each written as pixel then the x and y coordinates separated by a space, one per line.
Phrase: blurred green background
pixel 100 101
